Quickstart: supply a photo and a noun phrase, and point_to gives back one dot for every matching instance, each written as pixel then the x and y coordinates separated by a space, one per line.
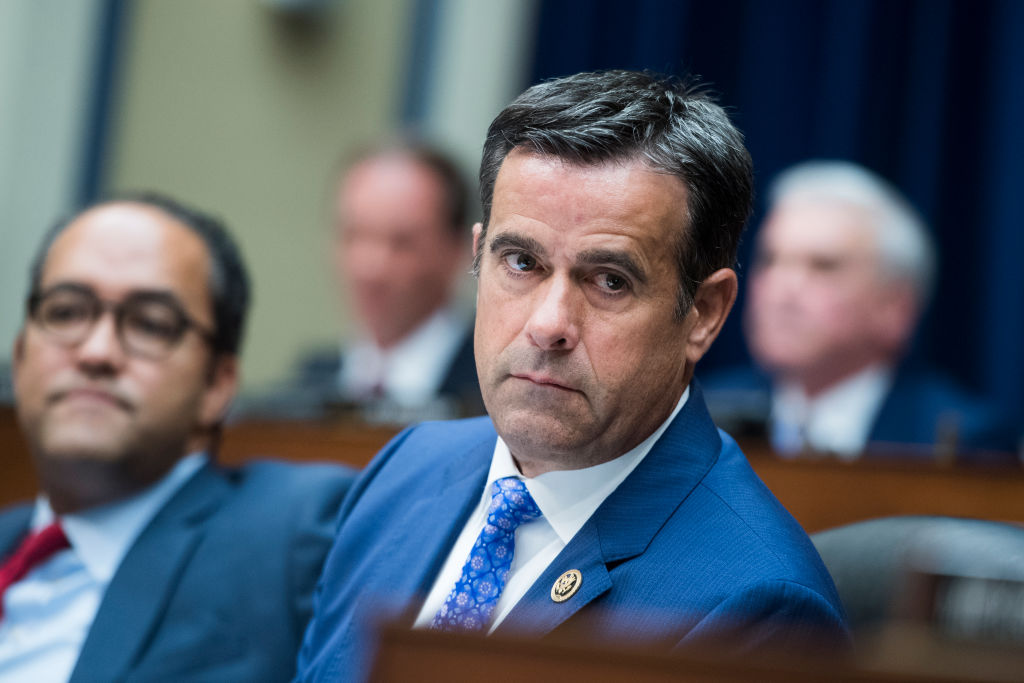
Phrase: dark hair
pixel 229 281
pixel 673 126
pixel 455 191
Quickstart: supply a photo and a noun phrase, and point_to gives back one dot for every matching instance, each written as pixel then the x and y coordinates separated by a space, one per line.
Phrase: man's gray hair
pixel 905 247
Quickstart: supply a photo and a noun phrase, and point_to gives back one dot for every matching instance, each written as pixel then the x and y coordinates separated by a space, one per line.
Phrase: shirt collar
pixel 101 536
pixel 568 498
pixel 838 419
pixel 416 364
pixel 412 369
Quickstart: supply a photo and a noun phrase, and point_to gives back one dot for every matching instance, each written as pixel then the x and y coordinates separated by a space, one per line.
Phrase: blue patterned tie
pixel 469 605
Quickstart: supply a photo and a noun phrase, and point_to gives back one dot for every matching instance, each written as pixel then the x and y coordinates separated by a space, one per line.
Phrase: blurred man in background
pixel 141 559
pixel 844 267
pixel 401 243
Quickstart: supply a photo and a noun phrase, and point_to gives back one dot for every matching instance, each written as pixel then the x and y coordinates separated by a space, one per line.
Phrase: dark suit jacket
pixel 218 587
pixel 317 379
pixel 690 548
pixel 919 405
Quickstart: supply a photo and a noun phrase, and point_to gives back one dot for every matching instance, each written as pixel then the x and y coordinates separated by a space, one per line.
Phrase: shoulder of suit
pixel 269 501
pixel 421 447
pixel 14 521
pixel 15 511
pixel 279 474
pixel 276 486
pixel 755 512
pixel 319 362
pixel 933 393
pixel 453 433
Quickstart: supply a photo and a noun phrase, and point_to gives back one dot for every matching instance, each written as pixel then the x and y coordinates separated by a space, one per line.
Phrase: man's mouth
pixel 545 381
pixel 91 395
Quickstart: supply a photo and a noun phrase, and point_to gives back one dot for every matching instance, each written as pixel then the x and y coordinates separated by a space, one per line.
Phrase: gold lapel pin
pixel 566 585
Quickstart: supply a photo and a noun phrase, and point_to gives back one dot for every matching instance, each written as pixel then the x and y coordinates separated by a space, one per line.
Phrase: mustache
pixel 117 396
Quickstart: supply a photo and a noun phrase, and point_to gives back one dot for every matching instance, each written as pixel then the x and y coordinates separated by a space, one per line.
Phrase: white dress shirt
pixel 567 499
pixel 48 613
pixel 837 420
pixel 409 373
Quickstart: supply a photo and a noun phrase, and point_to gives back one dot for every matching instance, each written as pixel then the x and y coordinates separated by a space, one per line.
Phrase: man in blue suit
pixel 843 270
pixel 597 495
pixel 141 560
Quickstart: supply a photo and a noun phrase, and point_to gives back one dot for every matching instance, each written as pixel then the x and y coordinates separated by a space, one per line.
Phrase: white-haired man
pixel 843 269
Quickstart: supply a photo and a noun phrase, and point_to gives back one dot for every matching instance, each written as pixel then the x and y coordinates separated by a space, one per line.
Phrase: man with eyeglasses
pixel 141 559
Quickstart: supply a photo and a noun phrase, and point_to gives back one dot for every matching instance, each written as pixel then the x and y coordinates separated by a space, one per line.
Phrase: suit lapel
pixel 624 525
pixel 137 596
pixel 13 527
pixel 536 613
pixel 433 523
pixel 897 416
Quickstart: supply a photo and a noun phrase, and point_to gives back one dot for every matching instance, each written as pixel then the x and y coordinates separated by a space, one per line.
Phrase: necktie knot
pixel 472 600
pixel 511 505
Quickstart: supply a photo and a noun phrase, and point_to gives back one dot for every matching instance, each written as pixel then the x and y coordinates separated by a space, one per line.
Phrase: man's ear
pixel 17 354
pixel 895 316
pixel 478 228
pixel 220 390
pixel 711 306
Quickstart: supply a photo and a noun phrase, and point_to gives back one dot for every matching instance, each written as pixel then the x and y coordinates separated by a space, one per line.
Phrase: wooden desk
pixel 430 656
pixel 820 494
pixel 345 442
pixel 826 493
pixel 17 478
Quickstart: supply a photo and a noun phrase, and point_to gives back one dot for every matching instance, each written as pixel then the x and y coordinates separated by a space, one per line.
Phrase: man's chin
pixel 786 361
pixel 80 445
pixel 541 434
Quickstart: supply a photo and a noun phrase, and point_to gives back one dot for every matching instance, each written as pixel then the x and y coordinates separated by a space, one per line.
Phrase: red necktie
pixel 32 551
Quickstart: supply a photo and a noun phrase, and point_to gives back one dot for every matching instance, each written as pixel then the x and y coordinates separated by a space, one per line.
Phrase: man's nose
pixel 554 322
pixel 102 346
pixel 369 261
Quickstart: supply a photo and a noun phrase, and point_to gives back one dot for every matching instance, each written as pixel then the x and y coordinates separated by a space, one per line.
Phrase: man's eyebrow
pixel 507 240
pixel 164 295
pixel 66 286
pixel 610 257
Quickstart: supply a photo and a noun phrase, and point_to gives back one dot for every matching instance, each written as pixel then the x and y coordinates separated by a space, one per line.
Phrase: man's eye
pixel 154 322
pixel 62 313
pixel 610 282
pixel 764 260
pixel 520 262
pixel 823 264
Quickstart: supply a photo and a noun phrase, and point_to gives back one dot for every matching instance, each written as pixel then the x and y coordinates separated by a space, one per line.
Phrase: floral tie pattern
pixel 469 605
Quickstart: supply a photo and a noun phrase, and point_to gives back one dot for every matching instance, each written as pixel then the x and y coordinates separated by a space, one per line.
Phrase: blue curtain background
pixel 928 93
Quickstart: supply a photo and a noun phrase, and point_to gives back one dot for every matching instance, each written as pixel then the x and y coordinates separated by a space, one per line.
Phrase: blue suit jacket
pixel 691 546
pixel 218 587
pixel 919 401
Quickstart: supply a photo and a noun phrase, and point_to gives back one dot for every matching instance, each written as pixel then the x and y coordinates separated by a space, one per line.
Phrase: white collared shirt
pixel 567 499
pixel 47 615
pixel 409 373
pixel 838 420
